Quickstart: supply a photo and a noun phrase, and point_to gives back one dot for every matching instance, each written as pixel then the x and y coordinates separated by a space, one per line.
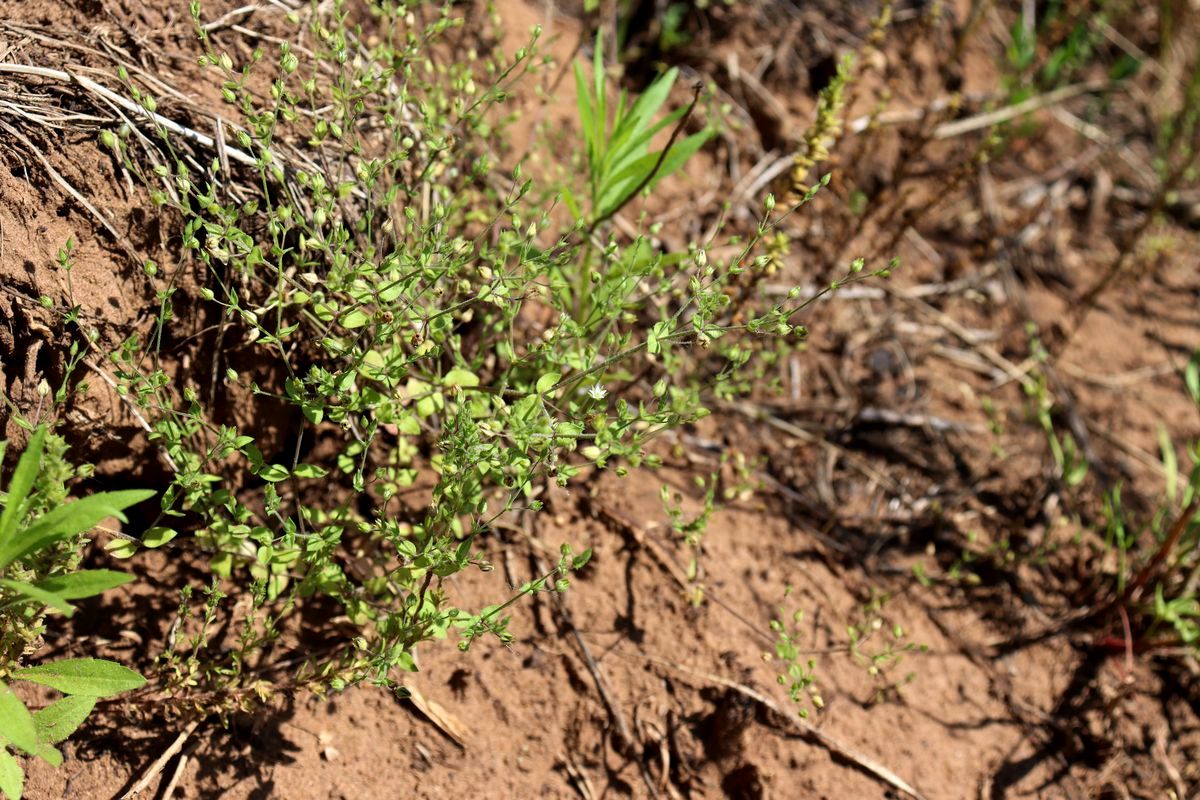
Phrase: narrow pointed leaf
pixel 586 111
pixel 93 677
pixel 70 519
pixel 679 154
pixel 635 128
pixel 22 481
pixel 639 145
pixel 620 188
pixel 84 583
pixel 40 596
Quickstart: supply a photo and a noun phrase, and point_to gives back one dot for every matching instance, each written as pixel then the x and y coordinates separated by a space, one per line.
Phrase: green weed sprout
pixel 32 542
pixel 620 162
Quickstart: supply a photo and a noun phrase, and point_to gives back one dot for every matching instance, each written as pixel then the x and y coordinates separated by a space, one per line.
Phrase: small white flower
pixel 597 392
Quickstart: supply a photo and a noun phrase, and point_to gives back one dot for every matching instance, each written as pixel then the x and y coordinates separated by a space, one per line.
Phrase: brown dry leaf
pixel 439 716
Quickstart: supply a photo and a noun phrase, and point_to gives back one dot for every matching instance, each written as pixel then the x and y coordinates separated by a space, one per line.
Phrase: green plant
pixel 617 140
pixel 799 675
pixel 692 529
pixel 621 165
pixel 1156 579
pixel 41 538
pixel 879 646
pixel 438 345
pixel 1069 461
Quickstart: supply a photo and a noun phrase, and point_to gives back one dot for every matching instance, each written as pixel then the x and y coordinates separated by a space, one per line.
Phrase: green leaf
pixel 1125 67
pixel 1170 462
pixel 586 111
pixel 547 382
pixel 273 473
pixel 69 520
pixel 12 778
pixel 122 548
pixel 49 753
pixel 619 189
pixel 16 723
pixel 158 536
pixel 572 204
pixel 84 583
pixel 253 455
pixel 640 145
pixel 22 481
pixel 63 717
pixel 633 131
pixel 428 405
pixel 39 595
pixel 355 318
pixel 309 471
pixel 408 424
pixel 93 677
pixel 678 155
pixel 1191 377
pixel 460 377
pixel 601 106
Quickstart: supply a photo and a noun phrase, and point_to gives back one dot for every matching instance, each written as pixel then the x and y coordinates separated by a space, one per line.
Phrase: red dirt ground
pixel 848 504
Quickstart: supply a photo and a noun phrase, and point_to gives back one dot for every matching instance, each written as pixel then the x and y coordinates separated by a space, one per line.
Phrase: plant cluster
pixel 425 323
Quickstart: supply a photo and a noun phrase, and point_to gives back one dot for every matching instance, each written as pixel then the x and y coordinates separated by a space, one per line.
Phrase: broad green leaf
pixel 39 595
pixel 122 548
pixel 22 481
pixel 69 520
pixel 408 424
pixel 430 404
pixel 582 559
pixel 253 455
pixel 93 677
pixel 12 778
pixel 460 377
pixel 355 318
pixel 16 723
pixel 373 358
pixel 49 753
pixel 222 564
pixel 158 536
pixel 63 717
pixel 273 473
pixel 547 382
pixel 309 471
pixel 84 583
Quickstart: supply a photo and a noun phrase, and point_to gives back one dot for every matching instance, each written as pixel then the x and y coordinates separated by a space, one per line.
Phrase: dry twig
pixel 161 762
pixel 806 729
